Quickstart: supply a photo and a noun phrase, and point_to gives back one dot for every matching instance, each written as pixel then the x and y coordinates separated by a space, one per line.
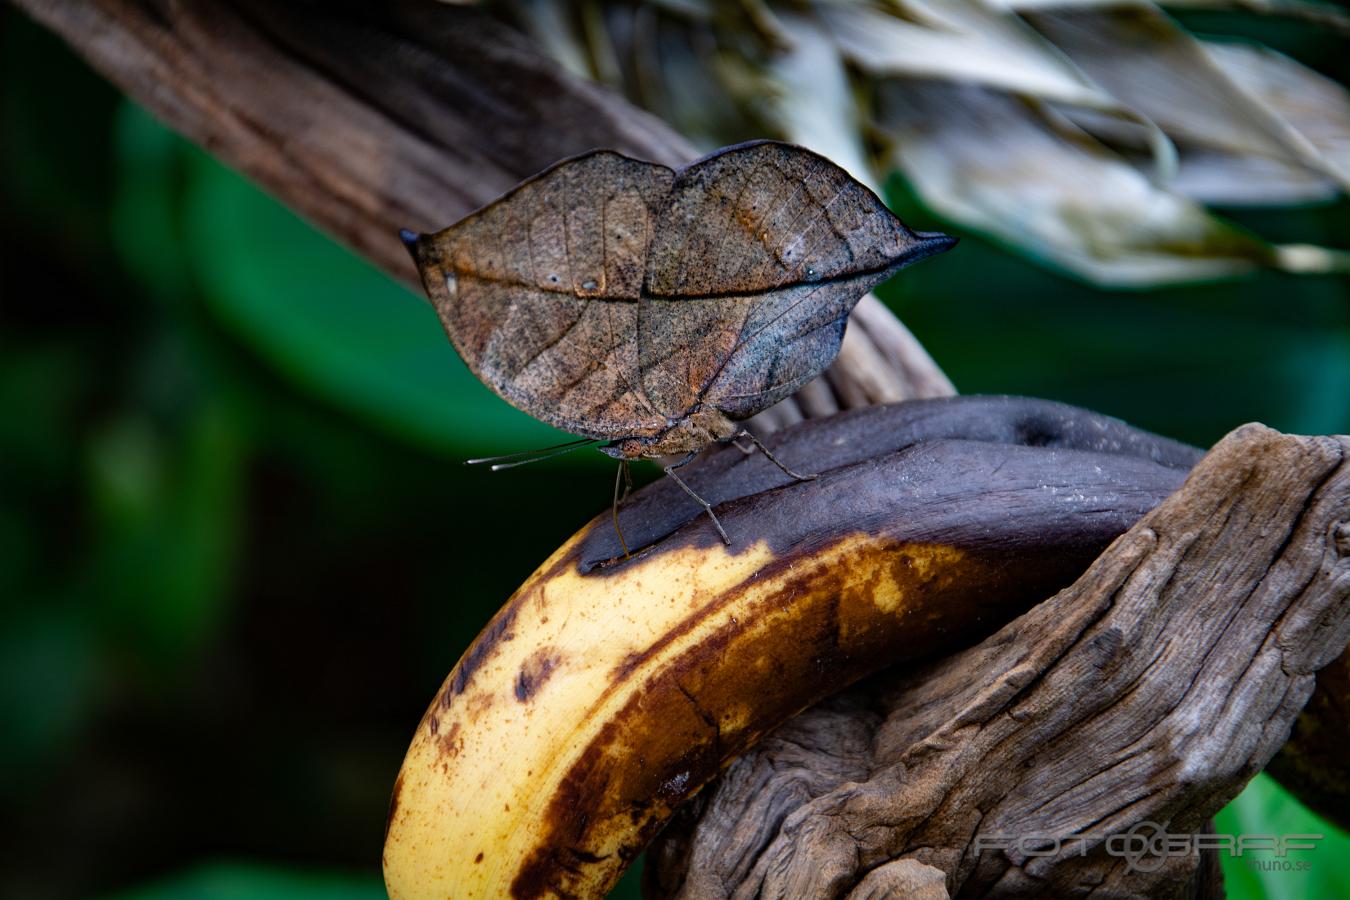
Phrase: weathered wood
pixel 371 117
pixel 1150 691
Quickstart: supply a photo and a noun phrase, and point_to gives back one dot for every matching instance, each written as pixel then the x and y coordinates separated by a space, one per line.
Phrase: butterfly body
pixel 687 434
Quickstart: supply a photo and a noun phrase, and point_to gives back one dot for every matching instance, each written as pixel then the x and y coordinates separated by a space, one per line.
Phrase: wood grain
pixel 1149 691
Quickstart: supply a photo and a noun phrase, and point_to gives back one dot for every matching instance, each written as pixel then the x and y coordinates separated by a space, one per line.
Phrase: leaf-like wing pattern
pixel 538 291
pixel 756 261
pixel 610 297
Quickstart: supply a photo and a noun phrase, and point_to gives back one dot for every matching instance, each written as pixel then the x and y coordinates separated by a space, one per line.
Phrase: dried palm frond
pixel 1089 134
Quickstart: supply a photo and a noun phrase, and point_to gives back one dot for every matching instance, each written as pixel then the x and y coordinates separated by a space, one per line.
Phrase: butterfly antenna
pixel 521 455
pixel 519 459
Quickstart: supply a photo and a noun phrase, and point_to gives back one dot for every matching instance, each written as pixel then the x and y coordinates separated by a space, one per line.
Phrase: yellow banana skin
pixel 607 691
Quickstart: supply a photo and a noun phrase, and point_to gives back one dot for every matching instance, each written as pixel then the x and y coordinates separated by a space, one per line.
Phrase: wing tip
pixel 931 243
pixel 410 240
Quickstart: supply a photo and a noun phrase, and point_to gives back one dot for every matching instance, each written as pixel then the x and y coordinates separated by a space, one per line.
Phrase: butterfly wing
pixel 756 260
pixel 539 292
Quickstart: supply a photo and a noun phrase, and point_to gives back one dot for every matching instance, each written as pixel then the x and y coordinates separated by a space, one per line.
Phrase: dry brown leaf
pixel 1155 67
pixel 1085 133
pixel 1314 109
pixel 989 162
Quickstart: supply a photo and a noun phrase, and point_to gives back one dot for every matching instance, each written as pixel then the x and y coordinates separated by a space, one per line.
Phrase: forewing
pixel 539 292
pixel 756 260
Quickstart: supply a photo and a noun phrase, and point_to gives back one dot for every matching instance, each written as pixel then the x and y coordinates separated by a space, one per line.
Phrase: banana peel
pixel 608 690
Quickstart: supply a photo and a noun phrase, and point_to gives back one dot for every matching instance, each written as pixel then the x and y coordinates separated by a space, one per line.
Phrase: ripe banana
pixel 608 690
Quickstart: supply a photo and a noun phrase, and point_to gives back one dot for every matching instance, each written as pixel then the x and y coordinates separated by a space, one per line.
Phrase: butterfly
pixel 656 309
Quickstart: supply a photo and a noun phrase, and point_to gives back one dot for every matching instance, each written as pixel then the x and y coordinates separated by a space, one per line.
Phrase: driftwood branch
pixel 1143 697
pixel 371 117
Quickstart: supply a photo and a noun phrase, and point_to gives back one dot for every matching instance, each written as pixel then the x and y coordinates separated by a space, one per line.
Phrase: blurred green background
pixel 238 552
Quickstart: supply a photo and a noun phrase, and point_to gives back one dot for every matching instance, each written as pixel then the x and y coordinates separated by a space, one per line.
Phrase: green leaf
pixel 167 507
pixel 1266 808
pixel 253 881
pixel 147 203
pixel 337 325
pixel 47 682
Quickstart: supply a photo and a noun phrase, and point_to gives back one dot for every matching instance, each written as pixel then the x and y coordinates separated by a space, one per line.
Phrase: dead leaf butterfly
pixel 655 309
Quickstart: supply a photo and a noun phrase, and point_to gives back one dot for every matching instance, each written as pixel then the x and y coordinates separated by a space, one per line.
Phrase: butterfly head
pixel 705 425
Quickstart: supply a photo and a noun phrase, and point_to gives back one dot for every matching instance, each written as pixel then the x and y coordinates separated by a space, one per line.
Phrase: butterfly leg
pixel 621 474
pixel 773 459
pixel 707 507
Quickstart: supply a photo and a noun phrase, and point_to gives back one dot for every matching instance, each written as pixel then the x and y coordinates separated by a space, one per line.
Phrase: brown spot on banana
pixel 499 629
pixel 450 742
pixel 535 671
pixel 680 658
